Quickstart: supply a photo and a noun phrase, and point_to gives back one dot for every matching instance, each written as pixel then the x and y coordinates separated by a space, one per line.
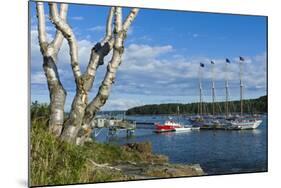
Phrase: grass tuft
pixel 55 162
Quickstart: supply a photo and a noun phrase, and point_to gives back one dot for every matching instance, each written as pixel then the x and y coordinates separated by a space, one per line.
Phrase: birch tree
pixel 77 127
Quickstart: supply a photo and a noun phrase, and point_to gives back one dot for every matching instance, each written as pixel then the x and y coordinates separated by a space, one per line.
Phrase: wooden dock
pixel 114 126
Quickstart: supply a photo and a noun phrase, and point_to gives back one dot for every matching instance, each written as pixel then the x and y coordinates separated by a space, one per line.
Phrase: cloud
pixel 155 72
pixel 159 71
pixel 38 78
pixel 77 18
pixel 121 104
pixel 142 51
pixel 98 28
pixel 84 50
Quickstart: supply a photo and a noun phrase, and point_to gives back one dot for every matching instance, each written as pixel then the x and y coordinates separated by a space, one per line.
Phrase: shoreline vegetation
pixel 55 162
pixel 251 106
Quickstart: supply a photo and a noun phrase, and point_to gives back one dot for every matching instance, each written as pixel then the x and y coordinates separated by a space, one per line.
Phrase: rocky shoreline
pixel 151 171
pixel 152 166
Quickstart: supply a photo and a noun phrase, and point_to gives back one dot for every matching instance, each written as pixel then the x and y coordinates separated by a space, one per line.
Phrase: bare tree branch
pixel 84 84
pixel 100 50
pixel 109 79
pixel 42 36
pixel 67 32
pixel 57 42
pixel 130 18
pixel 108 34
pixel 118 20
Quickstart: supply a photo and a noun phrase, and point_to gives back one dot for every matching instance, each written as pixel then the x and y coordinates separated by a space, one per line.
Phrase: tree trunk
pixel 73 123
pixel 57 96
pixel 49 52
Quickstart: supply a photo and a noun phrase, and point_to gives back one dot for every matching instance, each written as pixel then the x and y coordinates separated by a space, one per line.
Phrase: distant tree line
pixel 250 106
pixel 39 110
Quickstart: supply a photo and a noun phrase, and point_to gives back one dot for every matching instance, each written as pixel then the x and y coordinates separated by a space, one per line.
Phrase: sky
pixel 163 50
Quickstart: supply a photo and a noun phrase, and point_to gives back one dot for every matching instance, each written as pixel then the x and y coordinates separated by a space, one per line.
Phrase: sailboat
pixel 227 122
pixel 214 121
pixel 243 122
pixel 184 128
pixel 206 121
pixel 198 119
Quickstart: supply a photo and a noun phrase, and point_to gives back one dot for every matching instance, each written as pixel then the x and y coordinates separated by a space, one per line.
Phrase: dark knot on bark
pixel 97 47
pixel 102 51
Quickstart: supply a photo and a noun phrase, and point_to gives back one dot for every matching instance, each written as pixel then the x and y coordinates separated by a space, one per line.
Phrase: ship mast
pixel 200 89
pixel 213 88
pixel 226 87
pixel 178 113
pixel 241 59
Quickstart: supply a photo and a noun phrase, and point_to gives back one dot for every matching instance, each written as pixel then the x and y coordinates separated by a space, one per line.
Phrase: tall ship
pixel 226 121
pixel 244 122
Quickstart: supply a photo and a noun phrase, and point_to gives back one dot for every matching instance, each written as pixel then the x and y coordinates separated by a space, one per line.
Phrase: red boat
pixel 168 126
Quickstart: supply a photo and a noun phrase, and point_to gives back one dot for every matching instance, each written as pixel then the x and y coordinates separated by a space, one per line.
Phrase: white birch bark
pixel 108 27
pixel 57 42
pixel 85 82
pixel 73 130
pixel 49 52
pixel 130 18
pixel 68 34
pixel 104 90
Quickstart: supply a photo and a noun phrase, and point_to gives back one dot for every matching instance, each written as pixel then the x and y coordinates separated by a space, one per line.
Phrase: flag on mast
pixel 227 60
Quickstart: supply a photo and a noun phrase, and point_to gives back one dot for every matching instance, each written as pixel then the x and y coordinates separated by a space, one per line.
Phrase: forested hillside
pixel 258 105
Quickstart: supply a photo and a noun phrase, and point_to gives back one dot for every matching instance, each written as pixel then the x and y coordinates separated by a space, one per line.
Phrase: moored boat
pixel 242 124
pixel 183 129
pixel 227 122
pixel 186 129
pixel 171 126
pixel 168 126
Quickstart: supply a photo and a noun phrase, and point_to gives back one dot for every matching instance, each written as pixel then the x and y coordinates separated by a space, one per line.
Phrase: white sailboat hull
pixel 183 129
pixel 246 124
pixel 186 129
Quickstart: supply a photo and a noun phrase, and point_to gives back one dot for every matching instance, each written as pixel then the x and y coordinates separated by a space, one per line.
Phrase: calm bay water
pixel 218 152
